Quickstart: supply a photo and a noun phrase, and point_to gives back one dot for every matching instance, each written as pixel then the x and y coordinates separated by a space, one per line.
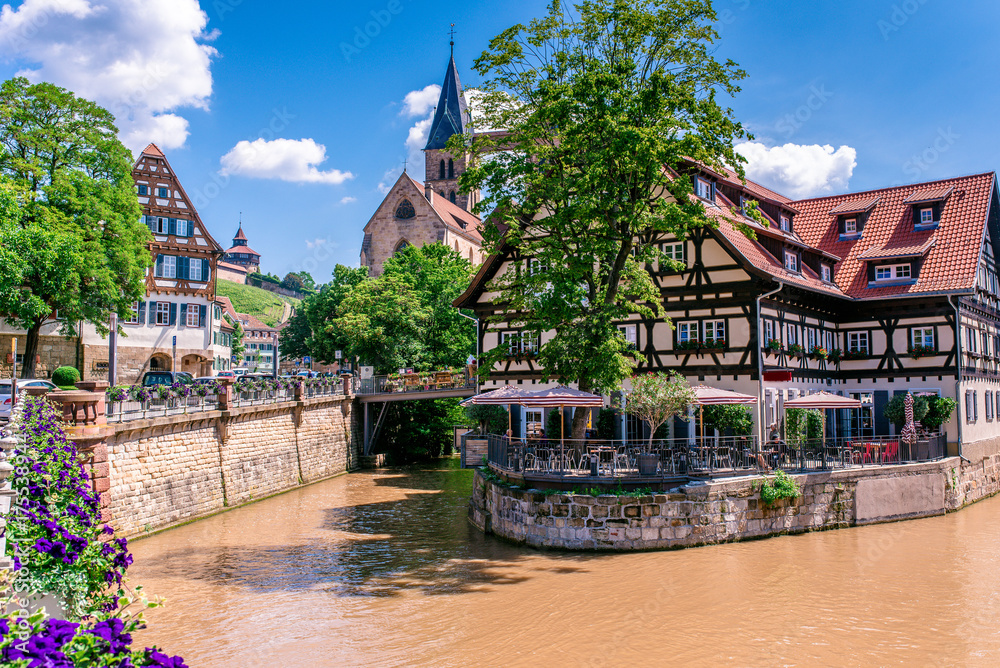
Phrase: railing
pixel 333 388
pixel 711 457
pixel 423 382
pixel 126 411
pixel 258 397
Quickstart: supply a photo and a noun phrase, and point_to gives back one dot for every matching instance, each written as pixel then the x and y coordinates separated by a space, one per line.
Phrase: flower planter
pixel 647 463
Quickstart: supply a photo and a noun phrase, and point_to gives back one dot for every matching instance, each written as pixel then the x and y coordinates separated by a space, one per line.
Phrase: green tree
pixel 294 338
pixel 602 108
pixel 939 412
pixel 658 397
pixel 238 347
pixel 735 419
pixel 489 419
pixel 293 282
pixel 895 410
pixel 82 251
pixel 321 312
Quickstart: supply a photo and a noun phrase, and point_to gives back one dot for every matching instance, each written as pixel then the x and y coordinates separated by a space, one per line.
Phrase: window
pixel 511 341
pixel 169 266
pixel 922 336
pixel 133 318
pixel 893 272
pixel 786 224
pixel 162 313
pixel 704 189
pixel 441 170
pixel 158 225
pixel 183 228
pixel 631 335
pixel 811 338
pixel 451 196
pixel 194 269
pixel 826 274
pixel 674 250
pixel 535 267
pixel 404 211
pixel 793 335
pixel 715 330
pixel 927 216
pixel 857 342
pixel 829 340
pixel 971 406
pixel 972 340
pixel 529 343
pixel 162 192
pixel 143 190
pixel 451 170
pixel 988 398
pixel 192 315
pixel 791 262
pixel 687 332
pixel 768 331
pixel 851 226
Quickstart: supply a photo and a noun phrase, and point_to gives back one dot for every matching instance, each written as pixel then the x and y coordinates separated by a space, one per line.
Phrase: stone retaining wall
pixel 731 510
pixel 169 470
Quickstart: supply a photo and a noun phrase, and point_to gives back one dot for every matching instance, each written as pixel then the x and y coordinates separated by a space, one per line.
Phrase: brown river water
pixel 383 569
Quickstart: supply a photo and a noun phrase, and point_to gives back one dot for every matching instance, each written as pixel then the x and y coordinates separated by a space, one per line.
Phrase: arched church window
pixel 403 243
pixel 404 211
pixel 451 196
pixel 451 169
pixel 442 169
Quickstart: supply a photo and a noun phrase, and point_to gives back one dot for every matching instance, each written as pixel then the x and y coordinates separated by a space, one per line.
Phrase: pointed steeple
pixel 240 236
pixel 452 113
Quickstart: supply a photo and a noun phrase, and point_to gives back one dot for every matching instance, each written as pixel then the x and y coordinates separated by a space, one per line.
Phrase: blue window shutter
pixel 171 226
pixel 201 316
pixel 142 311
pixel 173 314
pixel 152 313
pixel 184 310
pixel 159 266
pixel 204 270
pixel 183 267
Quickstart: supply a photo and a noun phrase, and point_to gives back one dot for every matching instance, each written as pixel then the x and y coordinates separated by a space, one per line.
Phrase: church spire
pixel 452 114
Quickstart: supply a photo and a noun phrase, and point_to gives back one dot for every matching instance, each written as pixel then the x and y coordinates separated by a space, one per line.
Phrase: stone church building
pixel 415 213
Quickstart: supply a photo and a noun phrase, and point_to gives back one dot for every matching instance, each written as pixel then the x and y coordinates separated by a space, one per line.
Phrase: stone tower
pixel 450 118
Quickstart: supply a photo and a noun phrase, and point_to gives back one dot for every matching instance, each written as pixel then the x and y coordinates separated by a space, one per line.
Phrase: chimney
pixel 429 193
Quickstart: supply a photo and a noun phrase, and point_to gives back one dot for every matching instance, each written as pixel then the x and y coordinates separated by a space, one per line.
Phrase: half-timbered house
pixel 866 295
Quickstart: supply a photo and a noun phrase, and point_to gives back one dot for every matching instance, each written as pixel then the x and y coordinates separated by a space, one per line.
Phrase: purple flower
pixel 156 658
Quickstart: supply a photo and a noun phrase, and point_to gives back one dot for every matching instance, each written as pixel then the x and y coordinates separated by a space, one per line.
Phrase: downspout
pixel 760 366
pixel 959 398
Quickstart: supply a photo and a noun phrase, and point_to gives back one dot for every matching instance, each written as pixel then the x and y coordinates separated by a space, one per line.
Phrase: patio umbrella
pixel 561 396
pixel 711 396
pixel 822 401
pixel 909 434
pixel 502 396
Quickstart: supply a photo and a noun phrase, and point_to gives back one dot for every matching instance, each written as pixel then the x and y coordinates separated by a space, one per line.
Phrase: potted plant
pixel 795 350
pixel 916 352
pixel 715 344
pixel 855 354
pixel 819 353
pixel 773 346
pixel 835 355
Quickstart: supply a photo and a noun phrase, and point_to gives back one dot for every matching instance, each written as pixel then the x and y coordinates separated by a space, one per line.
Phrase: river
pixel 382 569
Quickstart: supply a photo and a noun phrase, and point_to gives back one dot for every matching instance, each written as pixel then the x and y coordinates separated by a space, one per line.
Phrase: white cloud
pixel 389 179
pixel 141 60
pixel 284 159
pixel 315 243
pixel 800 171
pixel 421 102
pixel 349 200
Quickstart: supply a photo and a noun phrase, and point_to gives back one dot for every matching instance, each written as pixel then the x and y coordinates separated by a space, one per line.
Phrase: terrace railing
pixel 708 457
pixel 126 411
pixel 417 382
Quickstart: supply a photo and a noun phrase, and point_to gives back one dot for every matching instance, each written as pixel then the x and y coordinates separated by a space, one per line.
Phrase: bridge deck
pixel 415 395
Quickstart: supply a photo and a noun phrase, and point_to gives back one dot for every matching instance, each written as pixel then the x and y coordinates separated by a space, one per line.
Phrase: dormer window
pixel 927 216
pixel 791 262
pixel 851 226
pixel 826 273
pixel 704 190
pixel 786 224
pixel 894 272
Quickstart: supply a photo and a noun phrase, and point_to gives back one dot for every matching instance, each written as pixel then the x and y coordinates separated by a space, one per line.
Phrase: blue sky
pixel 841 96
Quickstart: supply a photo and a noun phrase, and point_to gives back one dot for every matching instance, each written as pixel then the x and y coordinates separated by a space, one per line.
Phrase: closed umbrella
pixel 909 434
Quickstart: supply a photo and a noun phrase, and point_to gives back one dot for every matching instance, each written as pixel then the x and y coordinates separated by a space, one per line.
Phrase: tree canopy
pixel 75 246
pixel 602 106
pixel 658 397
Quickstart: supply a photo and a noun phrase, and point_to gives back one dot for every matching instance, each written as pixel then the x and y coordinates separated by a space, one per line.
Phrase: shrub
pixel 939 412
pixel 802 424
pixel 552 426
pixel 736 419
pixel 606 419
pixel 780 487
pixel 66 377
pixel 489 419
pixel 895 410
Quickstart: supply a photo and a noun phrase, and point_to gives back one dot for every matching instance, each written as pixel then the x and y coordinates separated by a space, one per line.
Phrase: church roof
pixel 453 215
pixel 239 234
pixel 452 113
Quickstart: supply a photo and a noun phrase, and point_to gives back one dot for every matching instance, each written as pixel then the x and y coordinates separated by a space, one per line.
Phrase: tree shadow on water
pixel 421 543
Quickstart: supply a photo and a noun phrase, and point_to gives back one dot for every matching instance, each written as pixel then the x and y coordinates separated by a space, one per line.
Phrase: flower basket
pixel 836 355
pixel 855 355
pixel 773 347
pixel 819 353
pixel 795 350
pixel 916 352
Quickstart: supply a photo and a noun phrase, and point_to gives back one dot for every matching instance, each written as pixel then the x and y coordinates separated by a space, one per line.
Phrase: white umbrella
pixel 711 396
pixel 502 396
pixel 561 396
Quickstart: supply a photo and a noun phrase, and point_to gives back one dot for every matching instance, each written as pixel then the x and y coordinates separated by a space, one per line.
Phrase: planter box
pixel 647 463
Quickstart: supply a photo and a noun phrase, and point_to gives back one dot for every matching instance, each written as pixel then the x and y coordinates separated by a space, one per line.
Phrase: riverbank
pixel 723 511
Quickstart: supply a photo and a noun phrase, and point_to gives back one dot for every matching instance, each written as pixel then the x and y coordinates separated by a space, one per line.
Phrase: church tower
pixel 450 118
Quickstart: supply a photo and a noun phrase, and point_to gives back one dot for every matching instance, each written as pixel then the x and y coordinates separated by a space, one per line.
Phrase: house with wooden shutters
pixel 866 295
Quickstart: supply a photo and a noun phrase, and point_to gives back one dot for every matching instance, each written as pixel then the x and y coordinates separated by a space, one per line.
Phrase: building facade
pixel 241 255
pixel 415 213
pixel 866 295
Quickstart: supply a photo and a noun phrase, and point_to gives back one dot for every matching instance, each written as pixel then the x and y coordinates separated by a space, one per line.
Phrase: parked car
pixel 154 378
pixel 306 373
pixel 226 374
pixel 241 371
pixel 7 401
pixel 206 380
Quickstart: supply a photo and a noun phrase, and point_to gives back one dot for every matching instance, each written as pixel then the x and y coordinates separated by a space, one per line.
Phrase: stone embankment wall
pixel 169 470
pixel 731 510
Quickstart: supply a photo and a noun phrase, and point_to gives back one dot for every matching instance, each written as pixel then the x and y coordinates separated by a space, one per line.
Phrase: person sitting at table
pixel 775 451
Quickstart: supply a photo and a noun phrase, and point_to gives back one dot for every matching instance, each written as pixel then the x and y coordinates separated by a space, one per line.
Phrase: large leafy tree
pixel 81 250
pixel 313 330
pixel 602 105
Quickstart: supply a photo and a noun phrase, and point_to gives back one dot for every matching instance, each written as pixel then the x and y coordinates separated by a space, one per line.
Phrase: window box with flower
pixel 855 354
pixel 772 347
pixel 819 353
pixel 796 350
pixel 916 352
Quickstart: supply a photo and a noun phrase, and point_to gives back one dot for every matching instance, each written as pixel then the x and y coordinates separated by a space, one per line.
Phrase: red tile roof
pixel 929 195
pixel 755 188
pixel 243 249
pixel 250 322
pixel 153 150
pixel 232 267
pixel 239 235
pixel 854 206
pixel 453 215
pixel 950 264
pixel 877 253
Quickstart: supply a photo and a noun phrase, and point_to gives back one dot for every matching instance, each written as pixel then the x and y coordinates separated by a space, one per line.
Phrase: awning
pixel 822 400
pixel 561 396
pixel 502 396
pixel 710 396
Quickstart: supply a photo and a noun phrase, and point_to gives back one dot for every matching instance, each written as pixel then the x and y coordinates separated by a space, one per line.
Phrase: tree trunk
pixel 580 416
pixel 31 351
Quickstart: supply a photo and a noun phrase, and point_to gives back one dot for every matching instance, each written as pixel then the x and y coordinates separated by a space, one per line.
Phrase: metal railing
pixel 127 411
pixel 712 456
pixel 424 382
